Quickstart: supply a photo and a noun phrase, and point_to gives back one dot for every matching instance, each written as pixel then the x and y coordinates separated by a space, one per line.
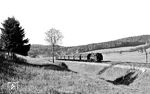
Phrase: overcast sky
pixel 80 21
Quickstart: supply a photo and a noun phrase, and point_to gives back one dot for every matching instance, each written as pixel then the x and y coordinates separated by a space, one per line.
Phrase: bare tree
pixel 53 37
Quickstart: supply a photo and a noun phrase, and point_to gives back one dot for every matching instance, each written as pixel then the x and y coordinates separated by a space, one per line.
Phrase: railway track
pixel 97 59
pixel 126 65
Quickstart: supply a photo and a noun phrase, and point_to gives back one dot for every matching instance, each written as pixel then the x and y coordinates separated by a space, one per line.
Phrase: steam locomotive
pixel 90 57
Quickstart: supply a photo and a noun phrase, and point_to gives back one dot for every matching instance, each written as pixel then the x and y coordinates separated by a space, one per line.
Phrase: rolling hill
pixel 124 42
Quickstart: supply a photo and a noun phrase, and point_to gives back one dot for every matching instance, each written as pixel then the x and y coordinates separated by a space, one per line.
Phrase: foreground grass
pixel 33 80
pixel 41 80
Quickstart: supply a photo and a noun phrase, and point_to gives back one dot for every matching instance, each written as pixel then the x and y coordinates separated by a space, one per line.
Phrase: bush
pixel 62 65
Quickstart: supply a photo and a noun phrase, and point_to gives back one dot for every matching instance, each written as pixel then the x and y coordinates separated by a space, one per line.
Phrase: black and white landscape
pixel 75 47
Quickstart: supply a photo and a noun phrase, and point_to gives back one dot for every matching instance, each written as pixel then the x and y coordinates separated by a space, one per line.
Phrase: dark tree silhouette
pixel 0 45
pixel 13 37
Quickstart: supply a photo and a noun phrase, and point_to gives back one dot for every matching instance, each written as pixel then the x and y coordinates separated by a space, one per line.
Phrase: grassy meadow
pixel 127 54
pixel 126 57
pixel 41 76
pixel 41 80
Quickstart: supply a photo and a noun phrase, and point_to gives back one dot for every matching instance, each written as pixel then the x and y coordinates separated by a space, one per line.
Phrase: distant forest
pixel 124 42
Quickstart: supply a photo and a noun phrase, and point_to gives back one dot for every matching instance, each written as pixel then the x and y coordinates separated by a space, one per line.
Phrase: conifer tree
pixel 13 37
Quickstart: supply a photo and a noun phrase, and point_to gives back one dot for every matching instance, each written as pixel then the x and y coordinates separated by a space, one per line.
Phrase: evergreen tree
pixel 0 45
pixel 13 37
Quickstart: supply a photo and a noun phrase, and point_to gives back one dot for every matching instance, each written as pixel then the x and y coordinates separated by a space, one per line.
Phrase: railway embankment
pixel 124 65
pixel 115 73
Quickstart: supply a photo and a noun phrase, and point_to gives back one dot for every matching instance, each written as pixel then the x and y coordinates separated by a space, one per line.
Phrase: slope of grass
pixel 38 80
pixel 33 80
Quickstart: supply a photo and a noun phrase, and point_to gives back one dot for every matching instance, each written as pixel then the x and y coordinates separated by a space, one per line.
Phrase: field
pixel 127 54
pixel 33 77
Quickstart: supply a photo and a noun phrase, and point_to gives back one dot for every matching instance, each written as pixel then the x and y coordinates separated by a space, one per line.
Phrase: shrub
pixel 62 65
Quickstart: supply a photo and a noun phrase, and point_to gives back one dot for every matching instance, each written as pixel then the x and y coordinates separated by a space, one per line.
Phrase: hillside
pixel 124 42
pixel 44 50
pixel 22 76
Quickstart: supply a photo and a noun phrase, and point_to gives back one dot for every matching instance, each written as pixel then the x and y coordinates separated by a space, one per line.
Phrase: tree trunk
pixel 53 52
pixel 9 55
